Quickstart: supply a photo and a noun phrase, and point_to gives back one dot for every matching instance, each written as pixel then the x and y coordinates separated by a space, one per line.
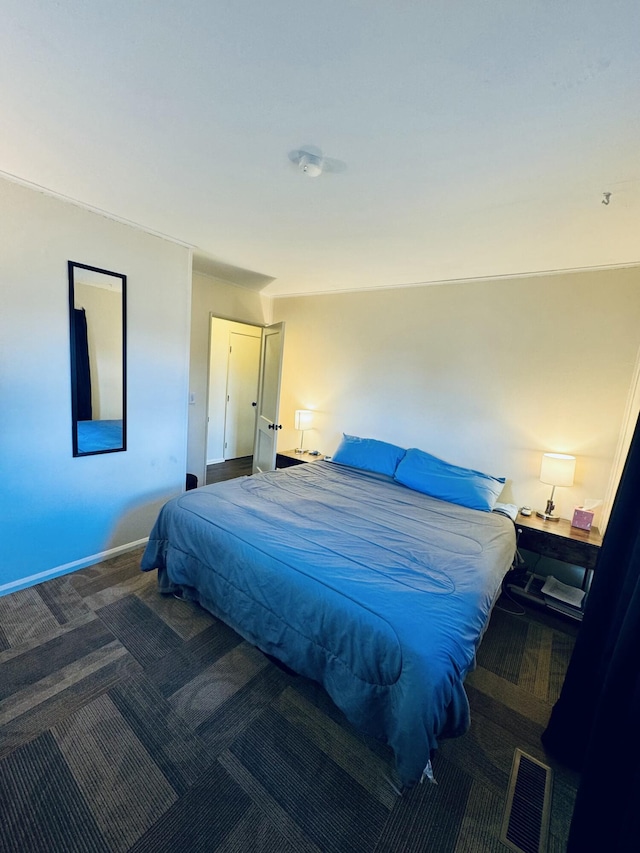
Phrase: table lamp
pixel 303 420
pixel 557 469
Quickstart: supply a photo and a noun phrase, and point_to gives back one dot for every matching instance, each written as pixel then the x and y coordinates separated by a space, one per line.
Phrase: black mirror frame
pixel 71 267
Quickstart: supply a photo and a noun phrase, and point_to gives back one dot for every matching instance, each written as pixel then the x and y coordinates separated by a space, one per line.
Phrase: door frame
pixel 629 420
pixel 213 315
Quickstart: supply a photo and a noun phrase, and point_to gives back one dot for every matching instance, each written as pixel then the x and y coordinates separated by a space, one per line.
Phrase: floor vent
pixel 525 827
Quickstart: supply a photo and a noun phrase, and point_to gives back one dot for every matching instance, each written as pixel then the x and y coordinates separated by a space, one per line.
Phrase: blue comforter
pixel 97 436
pixel 376 591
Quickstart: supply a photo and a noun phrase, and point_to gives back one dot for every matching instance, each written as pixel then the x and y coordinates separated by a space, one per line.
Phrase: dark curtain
pixel 82 373
pixel 595 724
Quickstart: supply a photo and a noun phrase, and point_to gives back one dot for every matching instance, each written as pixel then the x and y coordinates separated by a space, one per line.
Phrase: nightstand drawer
pixel 559 540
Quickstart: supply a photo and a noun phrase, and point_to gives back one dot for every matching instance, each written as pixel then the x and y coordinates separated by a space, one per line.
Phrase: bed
pixel 379 592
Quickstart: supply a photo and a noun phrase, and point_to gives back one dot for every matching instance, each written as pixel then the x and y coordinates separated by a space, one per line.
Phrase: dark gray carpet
pixel 134 722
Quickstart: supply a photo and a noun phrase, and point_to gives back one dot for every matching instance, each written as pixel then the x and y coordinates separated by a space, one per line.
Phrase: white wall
pixel 58 512
pixel 487 375
pixel 212 297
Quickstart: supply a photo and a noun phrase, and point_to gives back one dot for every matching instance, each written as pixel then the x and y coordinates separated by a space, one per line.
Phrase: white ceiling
pixel 479 137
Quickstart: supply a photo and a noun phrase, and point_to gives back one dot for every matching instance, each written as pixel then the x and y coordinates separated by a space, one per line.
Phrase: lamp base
pixel 547 516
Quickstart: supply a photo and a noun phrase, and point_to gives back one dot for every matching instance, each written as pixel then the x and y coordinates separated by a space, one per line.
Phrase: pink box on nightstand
pixel 582 518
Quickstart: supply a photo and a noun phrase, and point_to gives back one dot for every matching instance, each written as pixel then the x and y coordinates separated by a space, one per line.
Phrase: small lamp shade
pixel 303 419
pixel 557 469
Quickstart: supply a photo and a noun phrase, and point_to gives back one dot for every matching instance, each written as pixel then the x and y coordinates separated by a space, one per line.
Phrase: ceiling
pixel 479 138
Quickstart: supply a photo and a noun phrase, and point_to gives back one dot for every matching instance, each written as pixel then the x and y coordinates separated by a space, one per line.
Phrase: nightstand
pixel 288 458
pixel 560 541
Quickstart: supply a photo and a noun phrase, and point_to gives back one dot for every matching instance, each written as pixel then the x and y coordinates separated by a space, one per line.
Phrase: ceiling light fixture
pixel 310 165
pixel 311 161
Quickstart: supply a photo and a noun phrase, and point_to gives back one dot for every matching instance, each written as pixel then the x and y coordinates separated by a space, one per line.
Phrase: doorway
pixel 234 367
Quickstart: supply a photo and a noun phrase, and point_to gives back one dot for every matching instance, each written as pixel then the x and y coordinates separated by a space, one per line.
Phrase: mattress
pixel 378 592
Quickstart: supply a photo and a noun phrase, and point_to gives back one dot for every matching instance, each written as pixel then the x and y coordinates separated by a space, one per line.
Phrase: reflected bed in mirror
pixel 97 306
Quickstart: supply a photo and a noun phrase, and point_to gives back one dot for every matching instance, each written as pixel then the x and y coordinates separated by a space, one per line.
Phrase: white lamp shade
pixel 303 419
pixel 557 469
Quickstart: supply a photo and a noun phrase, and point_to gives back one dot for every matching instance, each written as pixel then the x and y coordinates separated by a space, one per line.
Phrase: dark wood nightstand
pixel 288 458
pixel 560 541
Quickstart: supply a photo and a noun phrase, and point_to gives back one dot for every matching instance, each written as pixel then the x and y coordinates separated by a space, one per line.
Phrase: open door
pixel 264 448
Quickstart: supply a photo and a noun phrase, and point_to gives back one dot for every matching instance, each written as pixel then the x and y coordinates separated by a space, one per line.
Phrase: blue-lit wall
pixel 58 512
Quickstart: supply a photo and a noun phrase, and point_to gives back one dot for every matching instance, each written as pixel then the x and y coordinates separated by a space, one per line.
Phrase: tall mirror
pixel 97 306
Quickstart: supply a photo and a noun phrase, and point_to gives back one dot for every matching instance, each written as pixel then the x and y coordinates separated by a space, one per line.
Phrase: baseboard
pixel 32 580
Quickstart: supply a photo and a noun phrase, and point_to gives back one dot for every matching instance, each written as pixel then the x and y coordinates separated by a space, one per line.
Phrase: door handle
pixel 275 426
pixel 254 404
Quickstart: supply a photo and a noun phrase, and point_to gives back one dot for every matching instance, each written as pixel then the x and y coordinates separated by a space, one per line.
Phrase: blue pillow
pixel 432 476
pixel 369 454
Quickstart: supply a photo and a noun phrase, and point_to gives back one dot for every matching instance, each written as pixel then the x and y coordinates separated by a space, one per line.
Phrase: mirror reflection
pixel 97 300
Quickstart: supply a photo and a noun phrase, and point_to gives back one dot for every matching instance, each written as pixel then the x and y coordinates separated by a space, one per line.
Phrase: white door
pixel 220 330
pixel 242 395
pixel 267 426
